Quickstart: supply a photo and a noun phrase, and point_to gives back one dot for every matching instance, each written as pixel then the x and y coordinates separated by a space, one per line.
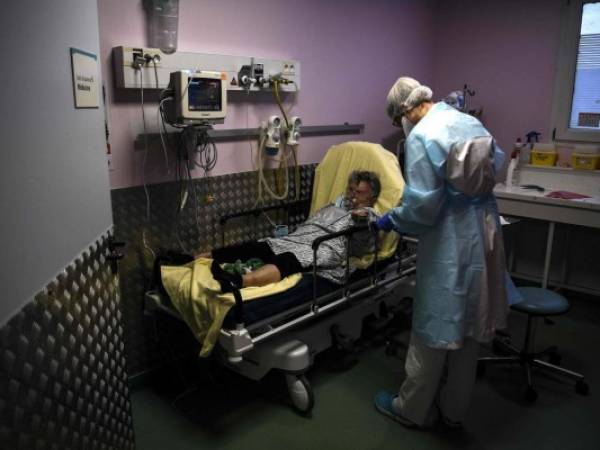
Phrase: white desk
pixel 515 201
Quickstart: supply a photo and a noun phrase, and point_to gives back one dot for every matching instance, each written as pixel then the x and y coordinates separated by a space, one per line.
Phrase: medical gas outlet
pixel 273 137
pixel 252 75
pixel 293 132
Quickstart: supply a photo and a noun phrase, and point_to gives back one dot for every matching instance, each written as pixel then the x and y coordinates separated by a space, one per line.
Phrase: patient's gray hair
pixel 368 177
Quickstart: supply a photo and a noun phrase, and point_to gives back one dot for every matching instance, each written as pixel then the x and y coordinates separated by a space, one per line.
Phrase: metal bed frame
pixel 289 340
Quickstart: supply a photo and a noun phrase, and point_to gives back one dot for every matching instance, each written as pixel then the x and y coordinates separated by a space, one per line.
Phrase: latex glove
pixel 384 223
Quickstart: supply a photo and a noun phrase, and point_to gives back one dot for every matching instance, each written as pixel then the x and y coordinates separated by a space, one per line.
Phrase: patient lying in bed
pixel 196 295
pixel 284 256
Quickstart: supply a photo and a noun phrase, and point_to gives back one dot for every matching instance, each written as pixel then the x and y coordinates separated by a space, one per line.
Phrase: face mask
pixel 400 148
pixel 407 126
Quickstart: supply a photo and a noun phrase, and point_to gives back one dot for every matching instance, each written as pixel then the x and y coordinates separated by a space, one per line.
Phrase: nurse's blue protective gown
pixel 463 289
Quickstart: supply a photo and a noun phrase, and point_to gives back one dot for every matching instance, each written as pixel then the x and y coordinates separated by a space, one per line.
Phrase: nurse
pixel 451 163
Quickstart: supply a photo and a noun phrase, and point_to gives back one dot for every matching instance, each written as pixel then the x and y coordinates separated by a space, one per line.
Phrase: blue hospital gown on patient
pixel 463 289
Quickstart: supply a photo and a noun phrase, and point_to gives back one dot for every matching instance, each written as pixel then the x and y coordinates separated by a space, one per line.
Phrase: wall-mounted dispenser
pixel 164 18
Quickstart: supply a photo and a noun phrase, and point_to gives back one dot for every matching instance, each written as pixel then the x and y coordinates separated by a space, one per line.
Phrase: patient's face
pixel 360 195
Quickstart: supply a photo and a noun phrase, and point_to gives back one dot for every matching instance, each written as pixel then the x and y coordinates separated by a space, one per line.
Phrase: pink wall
pixel 506 51
pixel 351 53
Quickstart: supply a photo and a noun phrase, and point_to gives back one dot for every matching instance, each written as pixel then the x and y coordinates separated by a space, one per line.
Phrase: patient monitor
pixel 198 97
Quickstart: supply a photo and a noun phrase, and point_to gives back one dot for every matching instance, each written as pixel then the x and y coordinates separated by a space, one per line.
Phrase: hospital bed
pixel 284 329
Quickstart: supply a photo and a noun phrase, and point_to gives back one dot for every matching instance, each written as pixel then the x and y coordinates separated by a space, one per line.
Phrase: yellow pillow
pixel 331 178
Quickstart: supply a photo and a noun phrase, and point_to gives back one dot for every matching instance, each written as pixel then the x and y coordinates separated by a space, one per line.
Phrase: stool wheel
pixel 582 388
pixel 531 395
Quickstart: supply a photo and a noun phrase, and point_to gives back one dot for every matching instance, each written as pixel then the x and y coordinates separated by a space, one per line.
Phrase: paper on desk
pixel 507 220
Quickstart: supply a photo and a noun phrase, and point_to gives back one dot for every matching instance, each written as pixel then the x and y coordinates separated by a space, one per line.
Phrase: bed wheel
pixel 301 393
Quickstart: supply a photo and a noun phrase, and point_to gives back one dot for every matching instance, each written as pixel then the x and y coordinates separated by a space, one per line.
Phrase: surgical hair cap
pixel 405 94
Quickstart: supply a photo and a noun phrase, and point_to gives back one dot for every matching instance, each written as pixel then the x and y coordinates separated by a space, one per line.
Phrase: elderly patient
pixel 284 256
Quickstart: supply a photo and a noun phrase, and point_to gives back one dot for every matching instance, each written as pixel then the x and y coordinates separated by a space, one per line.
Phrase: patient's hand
pixel 361 212
pixel 203 255
pixel 360 216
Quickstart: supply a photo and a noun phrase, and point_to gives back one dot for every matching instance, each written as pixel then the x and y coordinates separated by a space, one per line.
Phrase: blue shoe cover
pixel 383 403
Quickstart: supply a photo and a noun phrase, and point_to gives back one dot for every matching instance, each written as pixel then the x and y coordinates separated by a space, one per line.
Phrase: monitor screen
pixel 204 94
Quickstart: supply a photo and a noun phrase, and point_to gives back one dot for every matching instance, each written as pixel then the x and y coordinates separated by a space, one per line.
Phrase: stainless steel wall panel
pixel 193 229
pixel 63 376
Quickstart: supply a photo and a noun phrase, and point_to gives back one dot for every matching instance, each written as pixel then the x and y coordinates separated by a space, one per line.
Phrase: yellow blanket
pixel 196 295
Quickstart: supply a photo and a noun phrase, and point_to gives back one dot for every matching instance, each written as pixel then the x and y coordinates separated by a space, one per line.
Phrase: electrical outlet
pixel 288 68
pixel 137 58
pixel 137 52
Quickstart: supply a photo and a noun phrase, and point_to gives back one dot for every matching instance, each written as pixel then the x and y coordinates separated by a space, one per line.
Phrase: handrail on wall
pixel 235 134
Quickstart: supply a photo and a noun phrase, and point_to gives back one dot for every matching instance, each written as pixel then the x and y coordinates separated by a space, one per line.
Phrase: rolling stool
pixel 537 302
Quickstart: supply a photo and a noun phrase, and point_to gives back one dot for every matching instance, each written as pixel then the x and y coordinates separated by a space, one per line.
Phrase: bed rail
pixel 304 203
pixel 347 232
pixel 239 305
pixel 236 346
